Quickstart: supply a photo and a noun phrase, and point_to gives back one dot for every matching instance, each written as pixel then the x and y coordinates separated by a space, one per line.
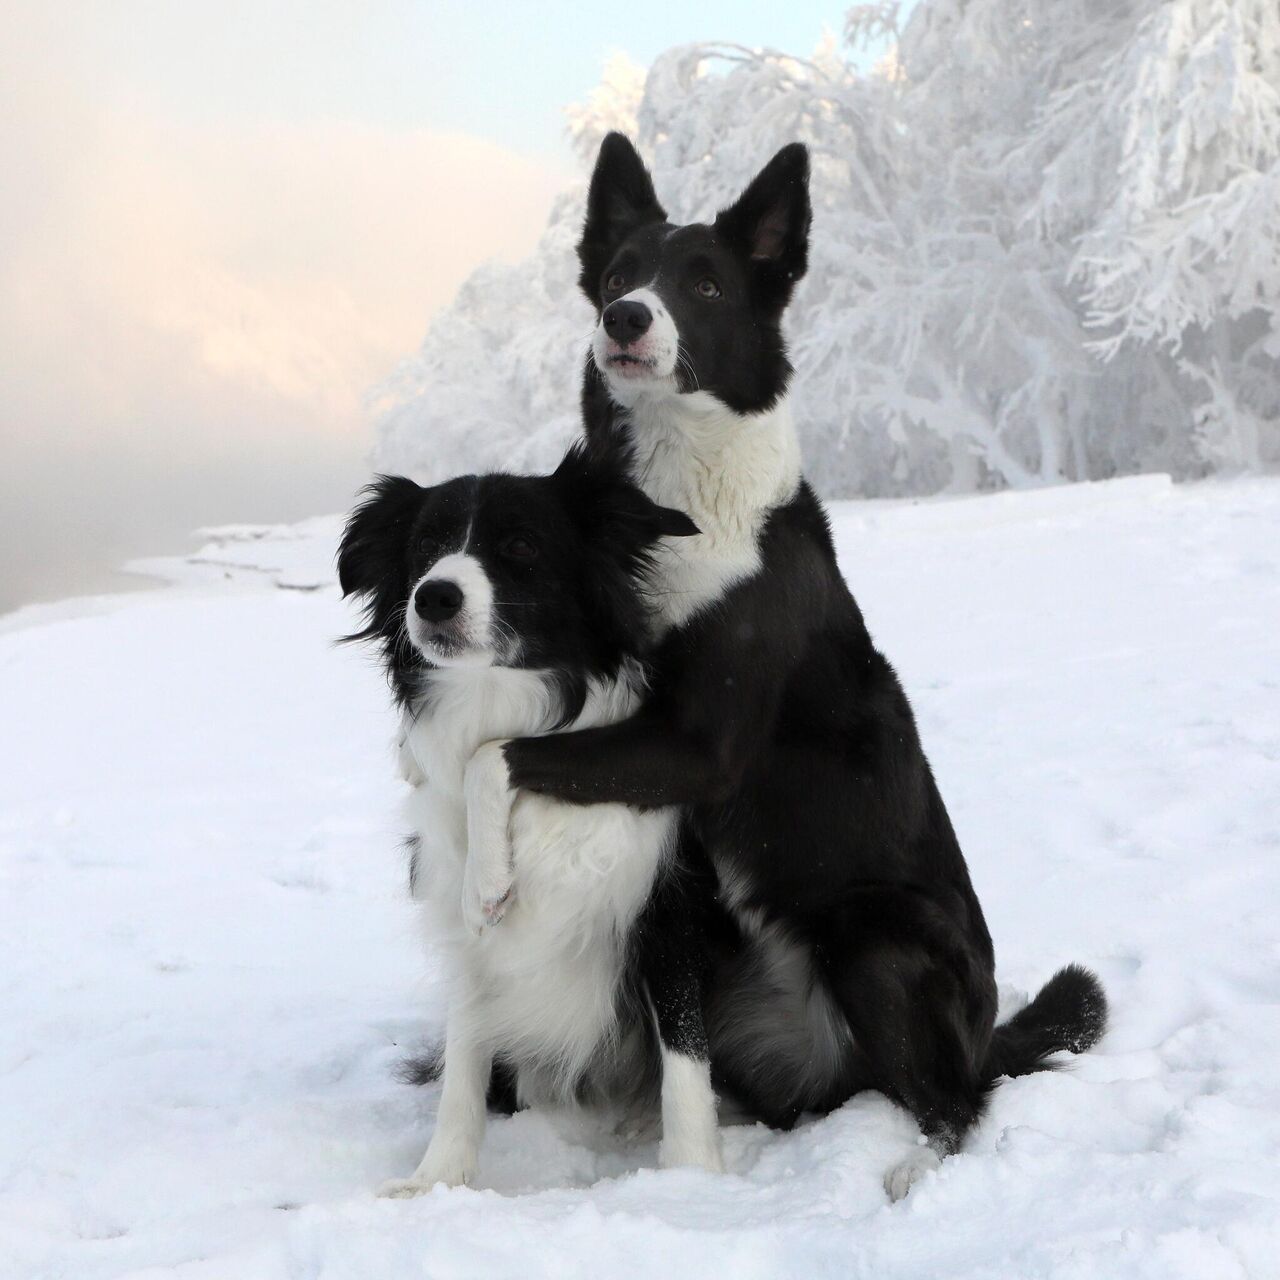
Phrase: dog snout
pixel 626 321
pixel 437 600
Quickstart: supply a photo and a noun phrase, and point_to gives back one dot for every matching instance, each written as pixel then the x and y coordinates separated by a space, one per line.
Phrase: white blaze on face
pixel 656 351
pixel 466 639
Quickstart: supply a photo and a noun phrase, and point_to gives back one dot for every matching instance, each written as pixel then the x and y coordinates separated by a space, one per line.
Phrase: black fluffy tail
pixel 423 1068
pixel 428 1066
pixel 1069 1013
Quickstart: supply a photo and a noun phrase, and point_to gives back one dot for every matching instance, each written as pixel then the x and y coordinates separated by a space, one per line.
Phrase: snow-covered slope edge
pixel 208 968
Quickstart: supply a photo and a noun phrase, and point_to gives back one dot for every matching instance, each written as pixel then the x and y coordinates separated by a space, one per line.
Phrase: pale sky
pixel 221 224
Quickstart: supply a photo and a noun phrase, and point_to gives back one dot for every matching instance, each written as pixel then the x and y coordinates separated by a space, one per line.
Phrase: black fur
pixel 854 952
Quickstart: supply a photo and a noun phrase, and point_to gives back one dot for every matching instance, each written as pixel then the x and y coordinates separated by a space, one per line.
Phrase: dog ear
pixel 620 525
pixel 770 220
pixel 616 515
pixel 620 199
pixel 373 542
pixel 634 522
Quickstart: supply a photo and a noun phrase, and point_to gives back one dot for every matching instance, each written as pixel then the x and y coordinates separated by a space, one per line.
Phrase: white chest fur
pixel 725 470
pixel 542 984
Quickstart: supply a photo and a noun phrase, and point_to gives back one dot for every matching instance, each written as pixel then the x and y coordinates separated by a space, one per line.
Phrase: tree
pixel 1046 247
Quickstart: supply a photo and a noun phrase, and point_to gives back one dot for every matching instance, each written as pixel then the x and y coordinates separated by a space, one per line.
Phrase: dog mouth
pixel 629 365
pixel 450 646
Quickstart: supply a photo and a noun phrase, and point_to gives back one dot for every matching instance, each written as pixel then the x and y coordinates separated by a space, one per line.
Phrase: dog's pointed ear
pixel 770 220
pixel 377 534
pixel 620 199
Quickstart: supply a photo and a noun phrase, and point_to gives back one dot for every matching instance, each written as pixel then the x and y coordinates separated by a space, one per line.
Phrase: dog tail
pixel 423 1068
pixel 1069 1013
pixel 502 1098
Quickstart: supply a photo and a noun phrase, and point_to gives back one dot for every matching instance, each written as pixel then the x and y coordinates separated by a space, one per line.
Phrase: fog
pixel 194 306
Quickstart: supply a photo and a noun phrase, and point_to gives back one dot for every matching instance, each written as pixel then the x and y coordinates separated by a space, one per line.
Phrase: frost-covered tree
pixel 1046 246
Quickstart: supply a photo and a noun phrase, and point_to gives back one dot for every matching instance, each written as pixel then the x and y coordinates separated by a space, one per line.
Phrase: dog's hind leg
pixel 673 965
pixel 920 1002
pixel 454 1150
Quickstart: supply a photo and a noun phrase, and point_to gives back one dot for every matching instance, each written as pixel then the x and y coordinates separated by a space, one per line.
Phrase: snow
pixel 209 973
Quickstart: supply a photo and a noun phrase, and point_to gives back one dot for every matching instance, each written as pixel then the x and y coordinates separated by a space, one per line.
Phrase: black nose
pixel 626 321
pixel 437 600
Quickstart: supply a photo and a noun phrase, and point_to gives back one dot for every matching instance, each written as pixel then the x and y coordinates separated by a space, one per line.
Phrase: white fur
pixel 659 346
pixel 405 763
pixel 454 1150
pixel 690 1134
pixel 474 624
pixel 489 875
pixel 543 983
pixel 727 471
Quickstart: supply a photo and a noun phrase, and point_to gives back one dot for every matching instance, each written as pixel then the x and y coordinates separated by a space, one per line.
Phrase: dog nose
pixel 437 600
pixel 626 321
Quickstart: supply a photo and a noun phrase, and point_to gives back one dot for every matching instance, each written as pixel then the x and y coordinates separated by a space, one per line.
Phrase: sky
pixel 223 224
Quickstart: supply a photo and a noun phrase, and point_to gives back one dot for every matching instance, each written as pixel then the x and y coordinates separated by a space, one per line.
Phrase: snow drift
pixel 209 968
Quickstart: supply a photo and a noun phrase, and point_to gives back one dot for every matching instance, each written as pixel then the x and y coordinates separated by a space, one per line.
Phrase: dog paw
pixel 454 1167
pixel 695 1152
pixel 403 1189
pixel 902 1177
pixel 484 908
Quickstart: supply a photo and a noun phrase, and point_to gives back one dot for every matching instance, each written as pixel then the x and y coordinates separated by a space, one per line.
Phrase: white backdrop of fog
pixel 191 311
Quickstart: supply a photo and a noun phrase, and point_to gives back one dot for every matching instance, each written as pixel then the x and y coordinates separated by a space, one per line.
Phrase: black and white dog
pixel 510 605
pixel 857 955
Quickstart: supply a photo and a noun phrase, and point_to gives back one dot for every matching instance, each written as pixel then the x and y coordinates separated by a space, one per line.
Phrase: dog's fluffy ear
pixel 632 516
pixel 620 199
pixel 377 532
pixel 620 526
pixel 770 220
pixel 616 515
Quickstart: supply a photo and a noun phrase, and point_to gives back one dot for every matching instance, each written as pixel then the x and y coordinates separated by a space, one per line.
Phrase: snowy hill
pixel 208 969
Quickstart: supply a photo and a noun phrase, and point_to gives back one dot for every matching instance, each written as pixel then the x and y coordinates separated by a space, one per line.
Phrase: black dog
pixel 858 956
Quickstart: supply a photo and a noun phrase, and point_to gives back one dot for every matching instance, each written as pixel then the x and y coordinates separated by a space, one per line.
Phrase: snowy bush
pixel 1046 247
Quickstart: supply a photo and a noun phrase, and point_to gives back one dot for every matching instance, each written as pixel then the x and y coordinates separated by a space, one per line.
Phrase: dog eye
pixel 615 282
pixel 707 288
pixel 519 548
pixel 426 543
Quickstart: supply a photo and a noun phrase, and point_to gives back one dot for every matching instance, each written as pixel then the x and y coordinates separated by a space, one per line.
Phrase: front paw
pixel 695 1151
pixel 483 907
pixel 402 1189
pixel 454 1166
pixel 902 1177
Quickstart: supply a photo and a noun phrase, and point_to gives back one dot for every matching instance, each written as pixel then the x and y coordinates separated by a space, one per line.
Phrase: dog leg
pixel 920 1006
pixel 674 967
pixel 690 1132
pixel 454 1150
pixel 488 878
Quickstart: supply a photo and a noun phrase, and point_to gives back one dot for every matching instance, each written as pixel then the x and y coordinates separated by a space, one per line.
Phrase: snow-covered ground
pixel 208 972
